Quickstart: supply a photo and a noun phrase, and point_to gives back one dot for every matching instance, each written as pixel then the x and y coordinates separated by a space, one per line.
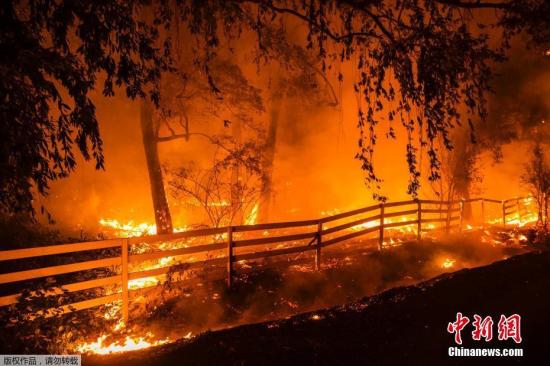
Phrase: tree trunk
pixel 463 169
pixel 268 158
pixel 236 215
pixel 464 194
pixel 150 144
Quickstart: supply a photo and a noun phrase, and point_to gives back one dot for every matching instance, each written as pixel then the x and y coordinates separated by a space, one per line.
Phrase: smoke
pixel 313 162
pixel 278 288
pixel 314 169
pixel 521 100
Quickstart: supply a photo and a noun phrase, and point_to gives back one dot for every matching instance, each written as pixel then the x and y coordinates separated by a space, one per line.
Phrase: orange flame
pixel 448 263
pixel 132 229
pixel 129 344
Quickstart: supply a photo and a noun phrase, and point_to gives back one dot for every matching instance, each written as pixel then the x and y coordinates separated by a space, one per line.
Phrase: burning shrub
pixel 229 190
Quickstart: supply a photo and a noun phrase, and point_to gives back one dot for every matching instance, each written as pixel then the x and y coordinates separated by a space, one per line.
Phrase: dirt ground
pixel 405 325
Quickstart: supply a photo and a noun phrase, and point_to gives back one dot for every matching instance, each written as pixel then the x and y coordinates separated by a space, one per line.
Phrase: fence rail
pixel 230 240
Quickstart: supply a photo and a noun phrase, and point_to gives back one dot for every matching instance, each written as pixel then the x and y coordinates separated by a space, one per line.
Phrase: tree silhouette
pixel 52 56
pixel 188 102
pixel 426 64
pixel 536 177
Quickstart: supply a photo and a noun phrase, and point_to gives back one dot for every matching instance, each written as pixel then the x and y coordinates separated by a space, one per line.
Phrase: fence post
pixel 124 262
pixel 519 211
pixel 419 217
pixel 461 215
pixel 318 246
pixel 503 214
pixel 483 212
pixel 381 235
pixel 229 256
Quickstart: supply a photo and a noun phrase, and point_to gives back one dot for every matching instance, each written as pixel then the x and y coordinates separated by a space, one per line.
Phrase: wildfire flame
pixel 129 344
pixel 403 229
pixel 448 263
pixel 392 242
pixel 522 237
pixel 132 229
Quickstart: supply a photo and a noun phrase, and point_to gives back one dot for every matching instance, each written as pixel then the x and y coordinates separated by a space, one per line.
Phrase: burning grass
pixel 102 347
pixel 274 289
pixel 189 300
pixel 390 328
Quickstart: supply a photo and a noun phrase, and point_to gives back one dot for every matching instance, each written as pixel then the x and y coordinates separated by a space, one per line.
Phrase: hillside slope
pixel 405 325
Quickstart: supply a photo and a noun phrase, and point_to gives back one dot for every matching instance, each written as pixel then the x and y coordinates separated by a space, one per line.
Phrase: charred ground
pixel 394 327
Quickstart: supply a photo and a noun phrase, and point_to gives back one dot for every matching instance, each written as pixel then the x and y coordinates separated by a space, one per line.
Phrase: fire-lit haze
pixel 286 163
pixel 314 170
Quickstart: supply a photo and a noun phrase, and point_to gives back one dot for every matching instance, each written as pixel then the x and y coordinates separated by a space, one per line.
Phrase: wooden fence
pixel 318 234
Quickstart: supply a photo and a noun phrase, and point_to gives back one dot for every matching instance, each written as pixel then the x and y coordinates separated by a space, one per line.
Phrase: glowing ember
pixel 522 238
pixel 525 219
pixel 142 283
pixel 392 242
pixel 448 263
pixel 366 225
pixel 129 344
